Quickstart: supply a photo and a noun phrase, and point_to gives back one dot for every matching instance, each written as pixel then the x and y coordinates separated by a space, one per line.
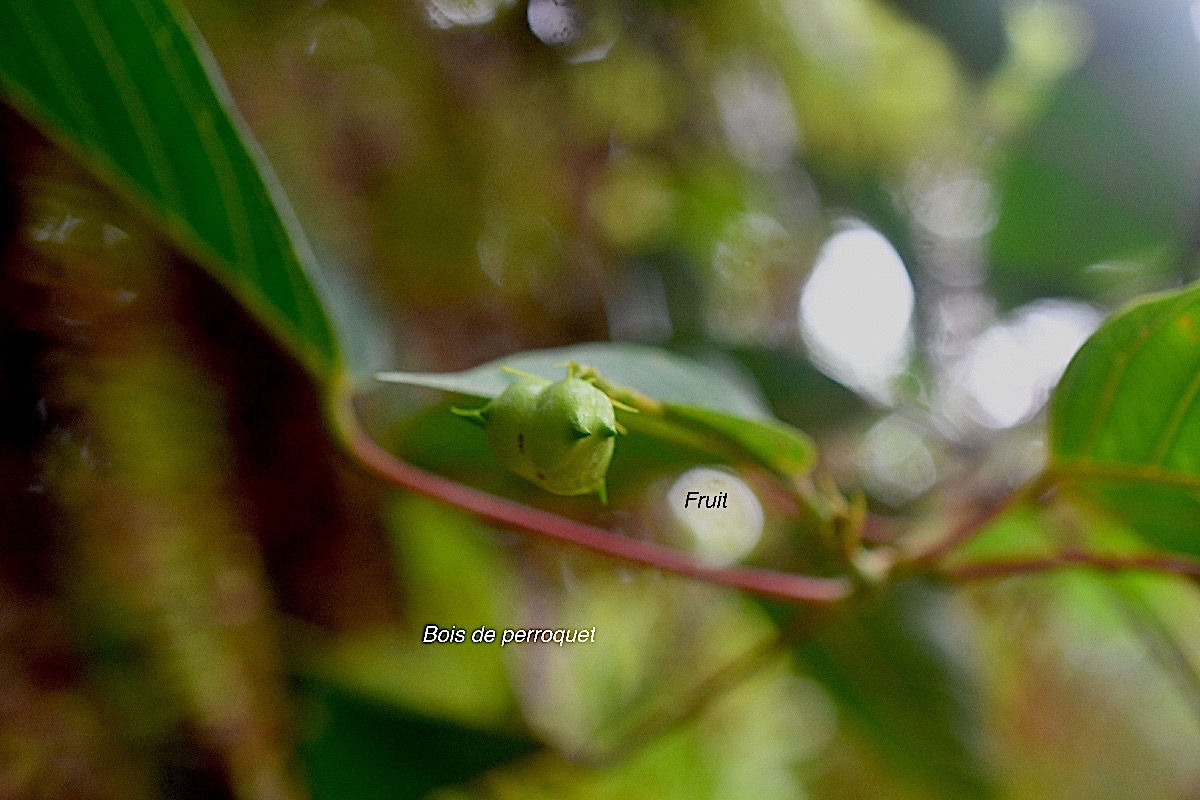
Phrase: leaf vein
pixel 1121 362
pixel 60 71
pixel 219 158
pixel 1137 473
pixel 133 102
pixel 1170 434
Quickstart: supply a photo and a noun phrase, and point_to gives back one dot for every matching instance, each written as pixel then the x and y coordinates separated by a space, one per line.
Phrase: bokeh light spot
pixel 1010 369
pixel 856 310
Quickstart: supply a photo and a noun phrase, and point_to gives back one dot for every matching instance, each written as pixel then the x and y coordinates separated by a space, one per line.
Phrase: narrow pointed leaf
pixel 129 88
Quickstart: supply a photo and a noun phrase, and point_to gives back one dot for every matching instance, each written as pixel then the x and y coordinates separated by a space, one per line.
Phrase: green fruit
pixel 574 429
pixel 557 435
pixel 505 420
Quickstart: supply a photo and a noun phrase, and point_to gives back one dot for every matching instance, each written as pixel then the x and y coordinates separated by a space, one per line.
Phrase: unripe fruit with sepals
pixel 574 428
pixel 506 420
pixel 557 435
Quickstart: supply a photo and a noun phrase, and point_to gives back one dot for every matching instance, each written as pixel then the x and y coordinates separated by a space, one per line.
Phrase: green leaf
pixel 659 374
pixel 781 447
pixel 129 87
pixel 357 747
pixel 1125 419
pixel 702 407
pixel 909 695
pixel 800 393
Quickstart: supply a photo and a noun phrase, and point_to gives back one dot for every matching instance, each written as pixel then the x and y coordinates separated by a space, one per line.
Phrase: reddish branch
pixel 1070 557
pixel 1153 562
pixel 783 585
pixel 978 522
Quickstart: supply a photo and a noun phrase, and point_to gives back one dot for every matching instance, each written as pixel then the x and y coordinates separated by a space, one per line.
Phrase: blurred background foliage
pixel 894 220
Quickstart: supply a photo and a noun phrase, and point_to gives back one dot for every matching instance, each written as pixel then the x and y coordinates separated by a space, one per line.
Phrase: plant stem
pixel 978 522
pixel 1150 562
pixel 686 708
pixel 1161 643
pixel 694 702
pixel 377 460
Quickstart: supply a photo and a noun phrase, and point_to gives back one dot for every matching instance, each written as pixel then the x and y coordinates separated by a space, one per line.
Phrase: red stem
pixel 990 570
pixel 978 522
pixel 783 585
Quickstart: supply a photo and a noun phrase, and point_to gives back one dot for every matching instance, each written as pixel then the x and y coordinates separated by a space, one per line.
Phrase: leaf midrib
pixel 1085 469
